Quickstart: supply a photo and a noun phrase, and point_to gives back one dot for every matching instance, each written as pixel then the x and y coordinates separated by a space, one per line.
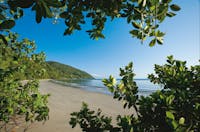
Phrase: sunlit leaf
pixel 170 115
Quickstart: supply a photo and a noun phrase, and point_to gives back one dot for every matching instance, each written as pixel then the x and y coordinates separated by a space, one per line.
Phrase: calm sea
pixel 96 85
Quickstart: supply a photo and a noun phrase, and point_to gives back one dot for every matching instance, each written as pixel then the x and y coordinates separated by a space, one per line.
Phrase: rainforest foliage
pixel 55 70
pixel 52 70
pixel 174 108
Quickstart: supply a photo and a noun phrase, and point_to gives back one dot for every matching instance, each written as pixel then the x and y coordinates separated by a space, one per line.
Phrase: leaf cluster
pixel 145 16
pixel 174 108
pixel 91 121
pixel 20 98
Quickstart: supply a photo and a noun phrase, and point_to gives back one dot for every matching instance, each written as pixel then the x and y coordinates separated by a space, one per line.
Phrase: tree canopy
pixel 175 108
pixel 145 16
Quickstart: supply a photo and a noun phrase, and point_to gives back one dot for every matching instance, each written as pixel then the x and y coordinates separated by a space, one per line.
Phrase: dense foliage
pixel 55 70
pixel 20 99
pixel 174 108
pixel 145 16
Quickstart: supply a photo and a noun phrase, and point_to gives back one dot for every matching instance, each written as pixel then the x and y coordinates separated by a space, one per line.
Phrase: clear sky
pixel 104 57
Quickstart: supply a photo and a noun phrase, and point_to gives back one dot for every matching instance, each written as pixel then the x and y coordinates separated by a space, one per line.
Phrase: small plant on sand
pixel 174 108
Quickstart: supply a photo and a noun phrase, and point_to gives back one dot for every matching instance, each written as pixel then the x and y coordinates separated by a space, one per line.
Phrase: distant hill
pixel 56 70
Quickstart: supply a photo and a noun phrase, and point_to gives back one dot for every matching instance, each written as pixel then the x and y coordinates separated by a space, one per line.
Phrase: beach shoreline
pixel 65 100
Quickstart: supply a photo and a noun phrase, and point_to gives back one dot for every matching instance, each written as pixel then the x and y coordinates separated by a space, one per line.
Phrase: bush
pixel 174 108
pixel 20 99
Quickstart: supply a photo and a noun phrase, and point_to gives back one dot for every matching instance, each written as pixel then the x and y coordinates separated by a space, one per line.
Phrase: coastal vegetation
pixel 20 101
pixel 56 70
pixel 53 70
pixel 175 108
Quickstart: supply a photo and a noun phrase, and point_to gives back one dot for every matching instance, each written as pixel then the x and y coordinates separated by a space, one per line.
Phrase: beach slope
pixel 65 100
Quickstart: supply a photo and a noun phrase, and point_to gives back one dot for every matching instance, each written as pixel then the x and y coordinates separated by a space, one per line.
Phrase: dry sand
pixel 65 100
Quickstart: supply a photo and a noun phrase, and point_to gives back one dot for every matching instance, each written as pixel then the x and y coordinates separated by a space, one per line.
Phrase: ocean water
pixel 145 87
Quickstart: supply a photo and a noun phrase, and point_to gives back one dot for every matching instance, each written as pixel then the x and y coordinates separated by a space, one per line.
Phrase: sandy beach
pixel 65 100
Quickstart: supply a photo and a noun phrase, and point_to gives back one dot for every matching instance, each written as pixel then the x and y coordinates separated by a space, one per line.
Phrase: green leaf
pixel 171 14
pixel 139 1
pixel 111 89
pixel 2 17
pixel 113 80
pixel 181 120
pixel 38 13
pixel 159 34
pixel 152 43
pixel 169 115
pixel 2 37
pixel 136 25
pixel 174 124
pixel 197 106
pixel 47 10
pixel 7 24
pixel 153 7
pixel 21 13
pixel 170 99
pixel 175 7
pixel 129 18
pixel 130 65
pixel 134 33
pixel 160 40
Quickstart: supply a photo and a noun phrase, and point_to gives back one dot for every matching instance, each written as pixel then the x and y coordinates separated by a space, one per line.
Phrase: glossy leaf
pixel 181 121
pixel 170 115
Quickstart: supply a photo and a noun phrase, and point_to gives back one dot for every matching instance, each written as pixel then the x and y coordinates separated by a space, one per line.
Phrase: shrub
pixel 174 108
pixel 20 99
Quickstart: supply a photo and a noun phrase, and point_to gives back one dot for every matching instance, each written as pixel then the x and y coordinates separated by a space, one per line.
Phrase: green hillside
pixel 56 70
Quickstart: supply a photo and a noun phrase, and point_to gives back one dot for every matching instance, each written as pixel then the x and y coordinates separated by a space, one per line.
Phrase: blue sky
pixel 104 57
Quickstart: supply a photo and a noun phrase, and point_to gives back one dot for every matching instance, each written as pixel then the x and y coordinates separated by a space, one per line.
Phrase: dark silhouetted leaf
pixel 152 43
pixel 38 13
pixel 175 7
pixel 2 17
pixel 64 14
pixel 7 24
pixel 170 14
pixel 136 25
